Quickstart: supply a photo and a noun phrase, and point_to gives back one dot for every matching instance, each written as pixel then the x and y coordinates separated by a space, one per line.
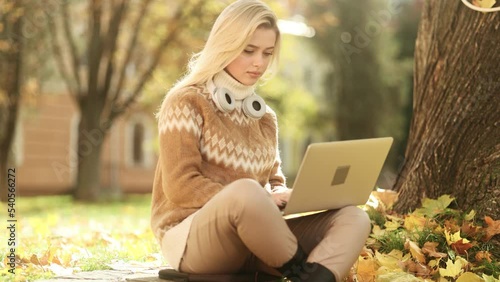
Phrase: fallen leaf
pixel 470 216
pixel 461 247
pixel 469 277
pixel 455 237
pixel 451 225
pixel 419 269
pixel 386 197
pixel 483 3
pixel 433 207
pixel 416 222
pixel 492 229
pixel 469 230
pixel 453 269
pixel 488 278
pixel 390 260
pixel 483 255
pixel 415 251
pixel 397 277
pixel 429 248
pixel 365 270
pixel 391 225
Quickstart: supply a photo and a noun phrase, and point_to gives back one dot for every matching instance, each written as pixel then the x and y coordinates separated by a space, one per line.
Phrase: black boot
pixel 317 273
pixel 295 264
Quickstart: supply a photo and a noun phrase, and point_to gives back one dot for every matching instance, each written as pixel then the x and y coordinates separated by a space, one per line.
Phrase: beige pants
pixel 242 229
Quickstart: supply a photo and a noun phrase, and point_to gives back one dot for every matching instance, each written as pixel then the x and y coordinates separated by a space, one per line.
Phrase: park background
pixel 82 80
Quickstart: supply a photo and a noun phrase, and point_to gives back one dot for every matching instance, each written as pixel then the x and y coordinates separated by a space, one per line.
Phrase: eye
pixel 267 54
pixel 248 51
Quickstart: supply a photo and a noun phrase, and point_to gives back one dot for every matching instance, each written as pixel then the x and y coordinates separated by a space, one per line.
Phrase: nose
pixel 258 61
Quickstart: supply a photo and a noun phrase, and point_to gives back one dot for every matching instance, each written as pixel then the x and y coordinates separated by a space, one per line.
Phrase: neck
pixel 225 80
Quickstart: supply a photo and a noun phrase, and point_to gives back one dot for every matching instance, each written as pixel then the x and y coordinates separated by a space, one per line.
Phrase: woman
pixel 219 187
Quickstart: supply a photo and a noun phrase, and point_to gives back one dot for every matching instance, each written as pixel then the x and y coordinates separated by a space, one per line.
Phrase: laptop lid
pixel 333 175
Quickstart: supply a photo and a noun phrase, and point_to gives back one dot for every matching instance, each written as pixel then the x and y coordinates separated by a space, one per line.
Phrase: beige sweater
pixel 203 149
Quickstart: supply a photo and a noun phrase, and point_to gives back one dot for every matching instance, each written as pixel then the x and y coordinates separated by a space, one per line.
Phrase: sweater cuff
pixel 278 189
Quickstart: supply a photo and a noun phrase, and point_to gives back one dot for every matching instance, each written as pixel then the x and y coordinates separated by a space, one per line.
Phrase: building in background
pixel 45 150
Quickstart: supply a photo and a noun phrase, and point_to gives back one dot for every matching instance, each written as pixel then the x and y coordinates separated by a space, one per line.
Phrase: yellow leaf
pixel 397 277
pixel 483 3
pixel 455 237
pixel 470 216
pixel 431 207
pixel 488 278
pixel 415 222
pixel 469 277
pixel 415 251
pixel 377 231
pixel 453 269
pixel 389 260
pixel 391 225
pixel 386 197
pixel 365 270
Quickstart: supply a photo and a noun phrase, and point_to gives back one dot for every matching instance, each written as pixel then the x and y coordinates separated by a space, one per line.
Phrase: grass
pixel 56 235
pixel 55 230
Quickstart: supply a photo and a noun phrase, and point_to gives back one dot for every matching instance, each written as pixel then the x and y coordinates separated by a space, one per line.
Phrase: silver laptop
pixel 337 174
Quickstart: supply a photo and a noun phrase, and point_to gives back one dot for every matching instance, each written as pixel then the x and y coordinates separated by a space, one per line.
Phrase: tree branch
pixel 95 46
pixel 130 49
pixel 111 43
pixel 72 47
pixel 57 52
pixel 118 109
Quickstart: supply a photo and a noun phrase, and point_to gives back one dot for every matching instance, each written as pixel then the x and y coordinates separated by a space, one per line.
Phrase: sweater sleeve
pixel 180 123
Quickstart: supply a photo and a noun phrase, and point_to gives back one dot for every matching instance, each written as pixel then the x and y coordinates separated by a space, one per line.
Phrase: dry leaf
pixel 461 247
pixel 365 271
pixel 419 269
pixel 415 251
pixel 492 229
pixel 453 269
pixel 469 277
pixel 483 255
pixel 451 225
pixel 469 230
pixel 416 222
pixel 430 249
pixel 386 197
pixel 455 237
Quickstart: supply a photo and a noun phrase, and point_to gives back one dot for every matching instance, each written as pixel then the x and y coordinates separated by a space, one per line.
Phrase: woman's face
pixel 249 66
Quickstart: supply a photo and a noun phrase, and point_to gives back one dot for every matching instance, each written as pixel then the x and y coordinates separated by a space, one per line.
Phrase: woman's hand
pixel 281 198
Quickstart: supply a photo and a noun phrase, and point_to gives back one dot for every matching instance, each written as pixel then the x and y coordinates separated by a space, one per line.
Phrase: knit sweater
pixel 203 149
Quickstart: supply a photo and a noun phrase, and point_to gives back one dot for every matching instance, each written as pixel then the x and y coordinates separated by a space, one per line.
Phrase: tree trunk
pixel 357 69
pixel 453 146
pixel 90 140
pixel 10 85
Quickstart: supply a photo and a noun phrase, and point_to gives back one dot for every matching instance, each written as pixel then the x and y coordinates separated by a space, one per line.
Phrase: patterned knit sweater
pixel 203 149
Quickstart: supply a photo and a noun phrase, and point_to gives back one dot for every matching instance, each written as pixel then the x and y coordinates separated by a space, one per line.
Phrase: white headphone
pixel 253 106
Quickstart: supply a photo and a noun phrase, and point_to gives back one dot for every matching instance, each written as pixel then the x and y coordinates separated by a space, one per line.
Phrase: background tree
pixel 11 56
pixel 453 146
pixel 368 85
pixel 125 41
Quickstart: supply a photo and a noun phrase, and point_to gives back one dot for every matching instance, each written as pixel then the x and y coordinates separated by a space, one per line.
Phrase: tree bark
pixel 10 86
pixel 454 141
pixel 91 135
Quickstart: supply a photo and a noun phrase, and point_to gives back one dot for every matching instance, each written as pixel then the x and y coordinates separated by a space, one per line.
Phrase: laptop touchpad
pixel 340 175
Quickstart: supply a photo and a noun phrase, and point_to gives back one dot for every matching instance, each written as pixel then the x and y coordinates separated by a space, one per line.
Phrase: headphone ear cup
pixel 224 100
pixel 254 106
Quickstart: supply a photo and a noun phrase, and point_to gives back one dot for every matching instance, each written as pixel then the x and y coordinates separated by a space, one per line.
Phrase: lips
pixel 254 73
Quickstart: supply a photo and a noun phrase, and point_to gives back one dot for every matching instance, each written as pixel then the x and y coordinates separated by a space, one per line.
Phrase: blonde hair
pixel 229 36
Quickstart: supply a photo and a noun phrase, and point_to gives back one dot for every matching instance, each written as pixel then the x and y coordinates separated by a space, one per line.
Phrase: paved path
pixel 121 271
